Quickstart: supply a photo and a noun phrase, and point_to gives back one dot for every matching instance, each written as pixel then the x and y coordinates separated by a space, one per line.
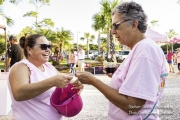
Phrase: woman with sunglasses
pixel 33 80
pixel 134 90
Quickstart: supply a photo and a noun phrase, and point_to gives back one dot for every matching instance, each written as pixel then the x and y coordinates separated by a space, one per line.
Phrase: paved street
pixel 95 104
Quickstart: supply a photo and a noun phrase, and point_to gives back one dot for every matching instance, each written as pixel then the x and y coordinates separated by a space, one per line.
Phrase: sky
pixel 76 15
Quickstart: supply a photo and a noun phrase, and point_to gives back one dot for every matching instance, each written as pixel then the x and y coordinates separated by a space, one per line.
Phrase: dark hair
pixel 22 41
pixel 12 37
pixel 30 41
pixel 72 50
pixel 134 11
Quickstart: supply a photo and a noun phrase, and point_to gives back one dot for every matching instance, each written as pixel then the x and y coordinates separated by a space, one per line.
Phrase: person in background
pixel 134 90
pixel 55 59
pixel 81 56
pixel 71 61
pixel 21 42
pixel 15 53
pixel 61 58
pixel 170 61
pixel 178 60
pixel 32 81
pixel 76 58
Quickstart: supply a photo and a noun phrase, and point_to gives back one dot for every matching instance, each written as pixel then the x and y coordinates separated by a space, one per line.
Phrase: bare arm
pixel 8 61
pixel 23 90
pixel 122 101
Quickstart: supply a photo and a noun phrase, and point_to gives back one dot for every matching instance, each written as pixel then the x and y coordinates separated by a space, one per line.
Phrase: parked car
pixel 118 52
pixel 3 57
pixel 91 55
pixel 122 55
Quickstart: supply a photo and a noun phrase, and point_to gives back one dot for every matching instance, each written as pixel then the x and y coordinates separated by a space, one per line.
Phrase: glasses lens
pixel 115 26
pixel 45 46
pixel 49 46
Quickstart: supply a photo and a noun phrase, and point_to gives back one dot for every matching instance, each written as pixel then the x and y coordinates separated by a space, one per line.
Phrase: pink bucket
pixel 66 101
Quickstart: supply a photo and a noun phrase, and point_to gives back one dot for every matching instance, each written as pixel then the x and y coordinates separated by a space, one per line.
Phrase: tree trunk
pixel 98 42
pixel 62 45
pixel 108 44
pixel 87 48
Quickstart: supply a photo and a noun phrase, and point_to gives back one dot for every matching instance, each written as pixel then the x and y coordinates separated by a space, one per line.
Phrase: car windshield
pixel 124 53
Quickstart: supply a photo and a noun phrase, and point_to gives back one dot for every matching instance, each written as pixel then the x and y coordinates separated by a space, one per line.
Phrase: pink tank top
pixel 37 108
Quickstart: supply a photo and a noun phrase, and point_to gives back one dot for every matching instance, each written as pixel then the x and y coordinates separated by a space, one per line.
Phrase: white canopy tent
pixel 159 38
pixel 156 36
pixel 3 25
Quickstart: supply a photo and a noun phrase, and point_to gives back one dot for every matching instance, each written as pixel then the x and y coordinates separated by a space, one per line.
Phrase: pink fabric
pixel 37 108
pixel 178 57
pixel 139 76
pixel 71 58
pixel 170 56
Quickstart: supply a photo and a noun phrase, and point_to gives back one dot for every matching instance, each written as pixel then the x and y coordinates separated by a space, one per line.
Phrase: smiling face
pixel 38 55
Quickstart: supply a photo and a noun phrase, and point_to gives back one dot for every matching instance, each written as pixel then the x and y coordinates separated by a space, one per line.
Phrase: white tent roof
pixel 3 22
pixel 156 36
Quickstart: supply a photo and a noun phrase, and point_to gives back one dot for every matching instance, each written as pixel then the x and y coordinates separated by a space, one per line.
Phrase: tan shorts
pixel 81 63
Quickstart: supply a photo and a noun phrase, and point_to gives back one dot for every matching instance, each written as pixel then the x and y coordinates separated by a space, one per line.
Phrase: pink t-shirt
pixel 139 76
pixel 37 108
pixel 170 56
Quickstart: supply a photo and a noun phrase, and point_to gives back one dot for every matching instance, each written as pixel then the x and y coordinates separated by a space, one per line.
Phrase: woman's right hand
pixel 61 80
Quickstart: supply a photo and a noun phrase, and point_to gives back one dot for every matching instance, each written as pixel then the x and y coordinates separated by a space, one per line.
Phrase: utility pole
pixel 77 39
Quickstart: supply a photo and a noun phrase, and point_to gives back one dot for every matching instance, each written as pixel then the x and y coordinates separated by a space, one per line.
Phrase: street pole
pixel 6 61
pixel 77 40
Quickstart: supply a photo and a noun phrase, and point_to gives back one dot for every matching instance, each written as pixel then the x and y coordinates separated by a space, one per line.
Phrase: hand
pixel 62 80
pixel 85 77
pixel 109 74
pixel 78 85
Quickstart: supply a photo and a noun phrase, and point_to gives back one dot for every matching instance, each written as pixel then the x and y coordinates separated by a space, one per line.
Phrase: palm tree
pixel 89 38
pixel 103 45
pixel 63 36
pixel 105 12
pixel 170 34
pixel 154 23
pixel 98 25
pixel 9 20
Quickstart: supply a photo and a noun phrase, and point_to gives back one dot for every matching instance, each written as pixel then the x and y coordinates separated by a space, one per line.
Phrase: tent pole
pixel 5 50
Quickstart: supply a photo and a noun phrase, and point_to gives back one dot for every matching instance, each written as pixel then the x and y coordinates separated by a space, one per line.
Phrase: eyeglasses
pixel 45 46
pixel 116 25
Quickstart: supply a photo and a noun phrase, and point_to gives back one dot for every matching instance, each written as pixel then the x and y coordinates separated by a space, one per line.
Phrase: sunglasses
pixel 45 46
pixel 116 25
